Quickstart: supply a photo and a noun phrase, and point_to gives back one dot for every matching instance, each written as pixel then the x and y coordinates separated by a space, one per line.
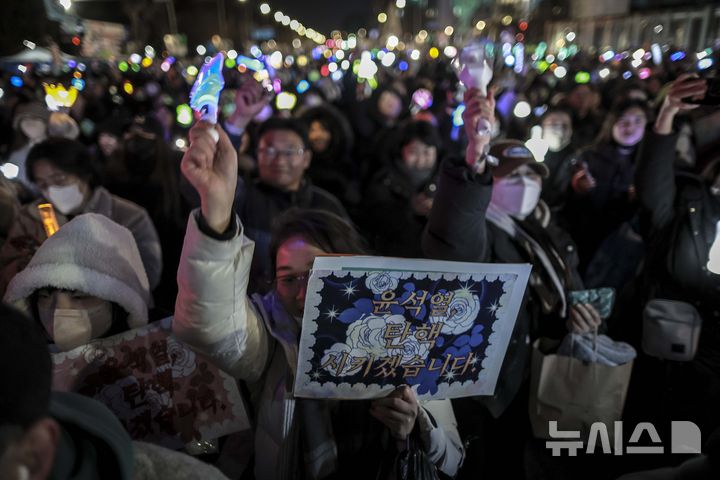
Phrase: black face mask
pixel 140 155
pixel 417 178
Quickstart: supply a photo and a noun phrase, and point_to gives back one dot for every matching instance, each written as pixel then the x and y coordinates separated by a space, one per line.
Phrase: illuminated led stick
pixel 474 71
pixel 49 220
pixel 205 93
pixel 58 98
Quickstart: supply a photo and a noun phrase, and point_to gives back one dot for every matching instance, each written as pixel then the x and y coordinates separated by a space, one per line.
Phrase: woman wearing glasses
pixel 256 339
pixel 65 174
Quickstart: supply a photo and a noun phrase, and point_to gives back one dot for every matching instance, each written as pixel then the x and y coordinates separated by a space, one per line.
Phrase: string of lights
pixel 293 24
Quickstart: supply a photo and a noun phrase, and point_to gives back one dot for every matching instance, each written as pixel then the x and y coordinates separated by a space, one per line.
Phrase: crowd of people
pixel 218 226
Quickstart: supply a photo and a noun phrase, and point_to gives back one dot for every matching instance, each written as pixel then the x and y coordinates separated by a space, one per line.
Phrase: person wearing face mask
pixel 494 214
pixel 400 195
pixel 557 131
pixel 66 436
pixel 146 172
pixel 604 199
pixel 65 174
pixel 78 288
pixel 256 339
pixel 30 122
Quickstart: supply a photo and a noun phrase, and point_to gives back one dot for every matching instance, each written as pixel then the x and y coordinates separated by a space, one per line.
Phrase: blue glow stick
pixel 205 93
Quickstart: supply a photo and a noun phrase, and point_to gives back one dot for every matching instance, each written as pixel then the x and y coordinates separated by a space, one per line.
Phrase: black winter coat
pixel 259 204
pixel 391 222
pixel 458 230
pixel 679 215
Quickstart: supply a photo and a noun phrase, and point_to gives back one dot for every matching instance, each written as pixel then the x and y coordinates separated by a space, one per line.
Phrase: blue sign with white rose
pixel 372 324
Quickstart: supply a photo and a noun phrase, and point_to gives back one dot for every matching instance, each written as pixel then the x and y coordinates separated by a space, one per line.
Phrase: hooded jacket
pixel 459 230
pixel 27 234
pixel 93 445
pixel 257 341
pixel 91 254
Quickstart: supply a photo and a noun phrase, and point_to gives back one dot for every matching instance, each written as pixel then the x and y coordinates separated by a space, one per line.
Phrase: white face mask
pixel 66 199
pixel 72 328
pixel 33 128
pixel 557 138
pixel 516 196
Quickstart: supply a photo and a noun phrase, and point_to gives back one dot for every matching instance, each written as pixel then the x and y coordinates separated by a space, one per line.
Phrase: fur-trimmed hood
pixel 91 254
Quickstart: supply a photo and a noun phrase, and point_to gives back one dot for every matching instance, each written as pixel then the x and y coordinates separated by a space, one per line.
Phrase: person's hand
pixel 211 167
pixel 398 411
pixel 421 204
pixel 250 99
pixel 686 86
pixel 582 181
pixel 583 318
pixel 477 107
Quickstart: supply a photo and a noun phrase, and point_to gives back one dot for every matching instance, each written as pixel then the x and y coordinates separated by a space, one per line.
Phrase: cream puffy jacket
pixel 254 339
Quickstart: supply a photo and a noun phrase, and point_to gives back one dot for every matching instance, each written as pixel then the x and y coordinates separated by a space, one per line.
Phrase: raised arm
pixel 456 228
pixel 655 176
pixel 213 313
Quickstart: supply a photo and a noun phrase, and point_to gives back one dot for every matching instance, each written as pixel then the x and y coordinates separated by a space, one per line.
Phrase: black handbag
pixel 412 463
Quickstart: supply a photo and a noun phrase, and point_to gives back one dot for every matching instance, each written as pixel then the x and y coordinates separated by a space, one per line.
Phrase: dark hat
pixel 25 369
pixel 513 153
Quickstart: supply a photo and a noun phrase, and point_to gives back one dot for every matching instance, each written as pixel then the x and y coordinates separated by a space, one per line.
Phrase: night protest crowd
pixel 216 228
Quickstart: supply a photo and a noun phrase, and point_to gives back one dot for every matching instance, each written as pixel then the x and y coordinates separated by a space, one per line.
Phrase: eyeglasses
pixel 293 282
pixel 272 152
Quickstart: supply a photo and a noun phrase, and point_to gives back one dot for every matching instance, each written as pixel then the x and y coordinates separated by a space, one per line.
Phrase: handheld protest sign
pixel 205 93
pixel 372 324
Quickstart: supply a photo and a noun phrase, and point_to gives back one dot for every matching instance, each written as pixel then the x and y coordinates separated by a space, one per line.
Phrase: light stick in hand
pixel 475 72
pixel 205 93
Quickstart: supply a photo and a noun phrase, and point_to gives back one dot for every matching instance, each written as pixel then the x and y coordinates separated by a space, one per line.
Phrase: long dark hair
pixel 618 108
pixel 326 231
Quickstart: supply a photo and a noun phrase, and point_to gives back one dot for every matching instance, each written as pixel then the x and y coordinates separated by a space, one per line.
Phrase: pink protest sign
pixel 161 390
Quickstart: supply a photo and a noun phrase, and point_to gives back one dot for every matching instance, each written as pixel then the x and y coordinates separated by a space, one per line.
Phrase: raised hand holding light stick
pixel 205 93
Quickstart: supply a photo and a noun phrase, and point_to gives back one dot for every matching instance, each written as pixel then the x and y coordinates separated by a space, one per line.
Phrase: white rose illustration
pixel 97 354
pixel 368 334
pixel 181 357
pixel 333 356
pixel 461 313
pixel 411 348
pixel 113 396
pixel 366 337
pixel 380 282
pixel 158 401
